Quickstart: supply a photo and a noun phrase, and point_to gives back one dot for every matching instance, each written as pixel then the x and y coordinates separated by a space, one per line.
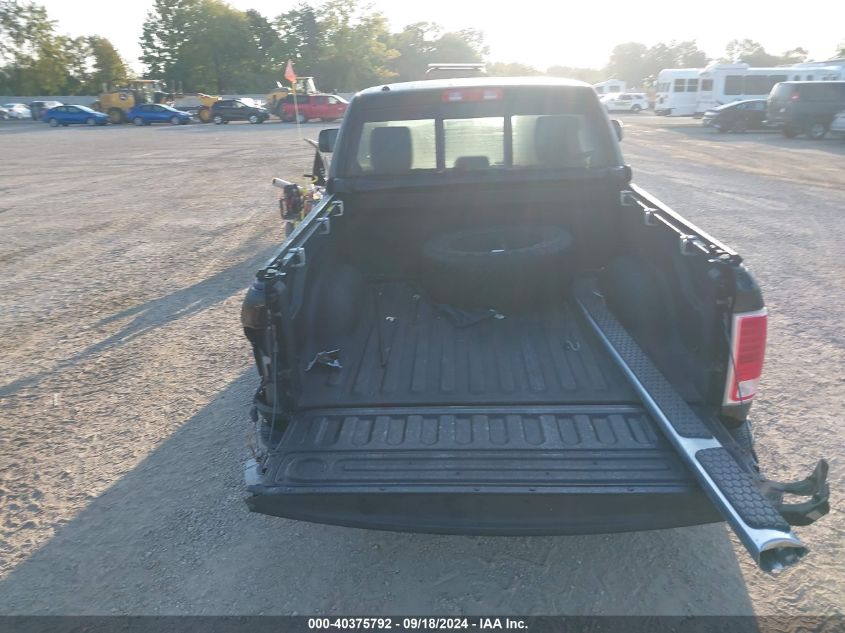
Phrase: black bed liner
pixel 406 351
pixel 542 470
pixel 550 447
pixel 520 425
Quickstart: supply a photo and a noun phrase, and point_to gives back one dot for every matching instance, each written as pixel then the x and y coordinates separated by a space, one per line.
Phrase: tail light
pixel 472 94
pixel 748 348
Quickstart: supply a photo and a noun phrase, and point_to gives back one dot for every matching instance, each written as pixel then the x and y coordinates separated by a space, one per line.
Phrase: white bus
pixel 676 91
pixel 724 83
pixel 611 85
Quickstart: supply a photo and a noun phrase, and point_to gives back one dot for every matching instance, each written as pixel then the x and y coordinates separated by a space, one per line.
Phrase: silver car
pixel 17 110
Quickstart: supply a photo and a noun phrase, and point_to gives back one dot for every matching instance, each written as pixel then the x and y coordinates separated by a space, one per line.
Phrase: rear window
pixel 422 135
pixel 782 92
pixel 523 129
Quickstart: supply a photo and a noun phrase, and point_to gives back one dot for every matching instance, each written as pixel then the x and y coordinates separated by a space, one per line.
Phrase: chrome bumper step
pixel 736 492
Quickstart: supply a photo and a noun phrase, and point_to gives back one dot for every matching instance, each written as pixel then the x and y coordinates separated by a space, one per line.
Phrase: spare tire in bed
pixel 498 266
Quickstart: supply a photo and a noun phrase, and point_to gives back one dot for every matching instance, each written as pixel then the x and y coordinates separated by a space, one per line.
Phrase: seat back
pixel 391 150
pixel 557 140
pixel 466 163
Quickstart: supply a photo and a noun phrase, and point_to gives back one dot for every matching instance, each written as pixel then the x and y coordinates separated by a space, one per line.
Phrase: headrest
pixel 465 163
pixel 557 141
pixel 390 149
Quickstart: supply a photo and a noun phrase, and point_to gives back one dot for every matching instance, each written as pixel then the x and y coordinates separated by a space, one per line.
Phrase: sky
pixel 540 33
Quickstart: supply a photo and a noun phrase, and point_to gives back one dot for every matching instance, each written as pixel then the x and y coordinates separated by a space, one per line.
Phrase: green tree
pixel 301 37
pixel 271 50
pixel 108 67
pixel 165 35
pixel 672 55
pixel 753 54
pixel 23 26
pixel 424 43
pixel 466 45
pixel 795 56
pixel 218 50
pixel 688 55
pixel 208 46
pixel 841 51
pixel 35 59
pixel 628 62
pixel 415 47
pixel 356 47
pixel 750 52
pixel 639 65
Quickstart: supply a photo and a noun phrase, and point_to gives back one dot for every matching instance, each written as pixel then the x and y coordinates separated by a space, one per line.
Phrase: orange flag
pixel 289 74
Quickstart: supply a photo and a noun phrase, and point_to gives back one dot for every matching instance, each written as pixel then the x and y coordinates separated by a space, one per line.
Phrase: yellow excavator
pixel 117 102
pixel 274 99
pixel 198 102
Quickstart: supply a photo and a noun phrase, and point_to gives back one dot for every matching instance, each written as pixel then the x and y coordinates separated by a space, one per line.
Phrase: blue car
pixel 157 113
pixel 70 114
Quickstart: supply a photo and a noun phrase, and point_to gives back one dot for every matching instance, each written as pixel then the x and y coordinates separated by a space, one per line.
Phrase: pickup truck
pixel 316 106
pixel 485 328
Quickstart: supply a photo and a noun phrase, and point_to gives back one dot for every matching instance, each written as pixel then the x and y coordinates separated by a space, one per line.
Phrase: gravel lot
pixel 125 383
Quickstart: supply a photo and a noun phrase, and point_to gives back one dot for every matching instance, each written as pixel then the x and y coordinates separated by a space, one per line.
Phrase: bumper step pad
pixel 735 491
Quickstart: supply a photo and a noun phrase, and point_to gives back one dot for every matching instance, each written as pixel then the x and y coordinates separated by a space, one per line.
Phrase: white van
pixel 676 91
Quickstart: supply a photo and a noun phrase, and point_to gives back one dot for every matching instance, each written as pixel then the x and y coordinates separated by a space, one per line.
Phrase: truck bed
pixel 514 425
pixel 408 351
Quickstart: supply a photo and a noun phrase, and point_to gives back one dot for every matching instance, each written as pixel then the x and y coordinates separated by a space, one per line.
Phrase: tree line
pixel 208 46
pixel 36 60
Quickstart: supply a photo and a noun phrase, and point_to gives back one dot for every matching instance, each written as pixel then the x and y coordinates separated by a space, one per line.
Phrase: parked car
pixel 74 114
pixel 227 110
pixel 17 110
pixel 837 127
pixel 148 113
pixel 320 106
pixel 805 107
pixel 37 109
pixel 737 116
pixel 4 113
pixel 485 327
pixel 625 102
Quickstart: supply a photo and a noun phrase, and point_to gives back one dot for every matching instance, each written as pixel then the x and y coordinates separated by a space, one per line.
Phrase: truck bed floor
pixel 407 351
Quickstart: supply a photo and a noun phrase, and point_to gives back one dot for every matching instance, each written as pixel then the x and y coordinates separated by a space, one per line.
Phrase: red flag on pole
pixel 289 74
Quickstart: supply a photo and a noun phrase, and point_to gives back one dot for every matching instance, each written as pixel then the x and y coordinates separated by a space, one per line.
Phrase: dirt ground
pixel 125 384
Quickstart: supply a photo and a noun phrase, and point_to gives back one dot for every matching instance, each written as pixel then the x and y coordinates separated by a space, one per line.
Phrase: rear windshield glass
pixel 782 92
pixel 526 129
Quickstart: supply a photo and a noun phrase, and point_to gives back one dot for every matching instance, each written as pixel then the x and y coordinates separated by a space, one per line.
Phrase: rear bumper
pixel 496 514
